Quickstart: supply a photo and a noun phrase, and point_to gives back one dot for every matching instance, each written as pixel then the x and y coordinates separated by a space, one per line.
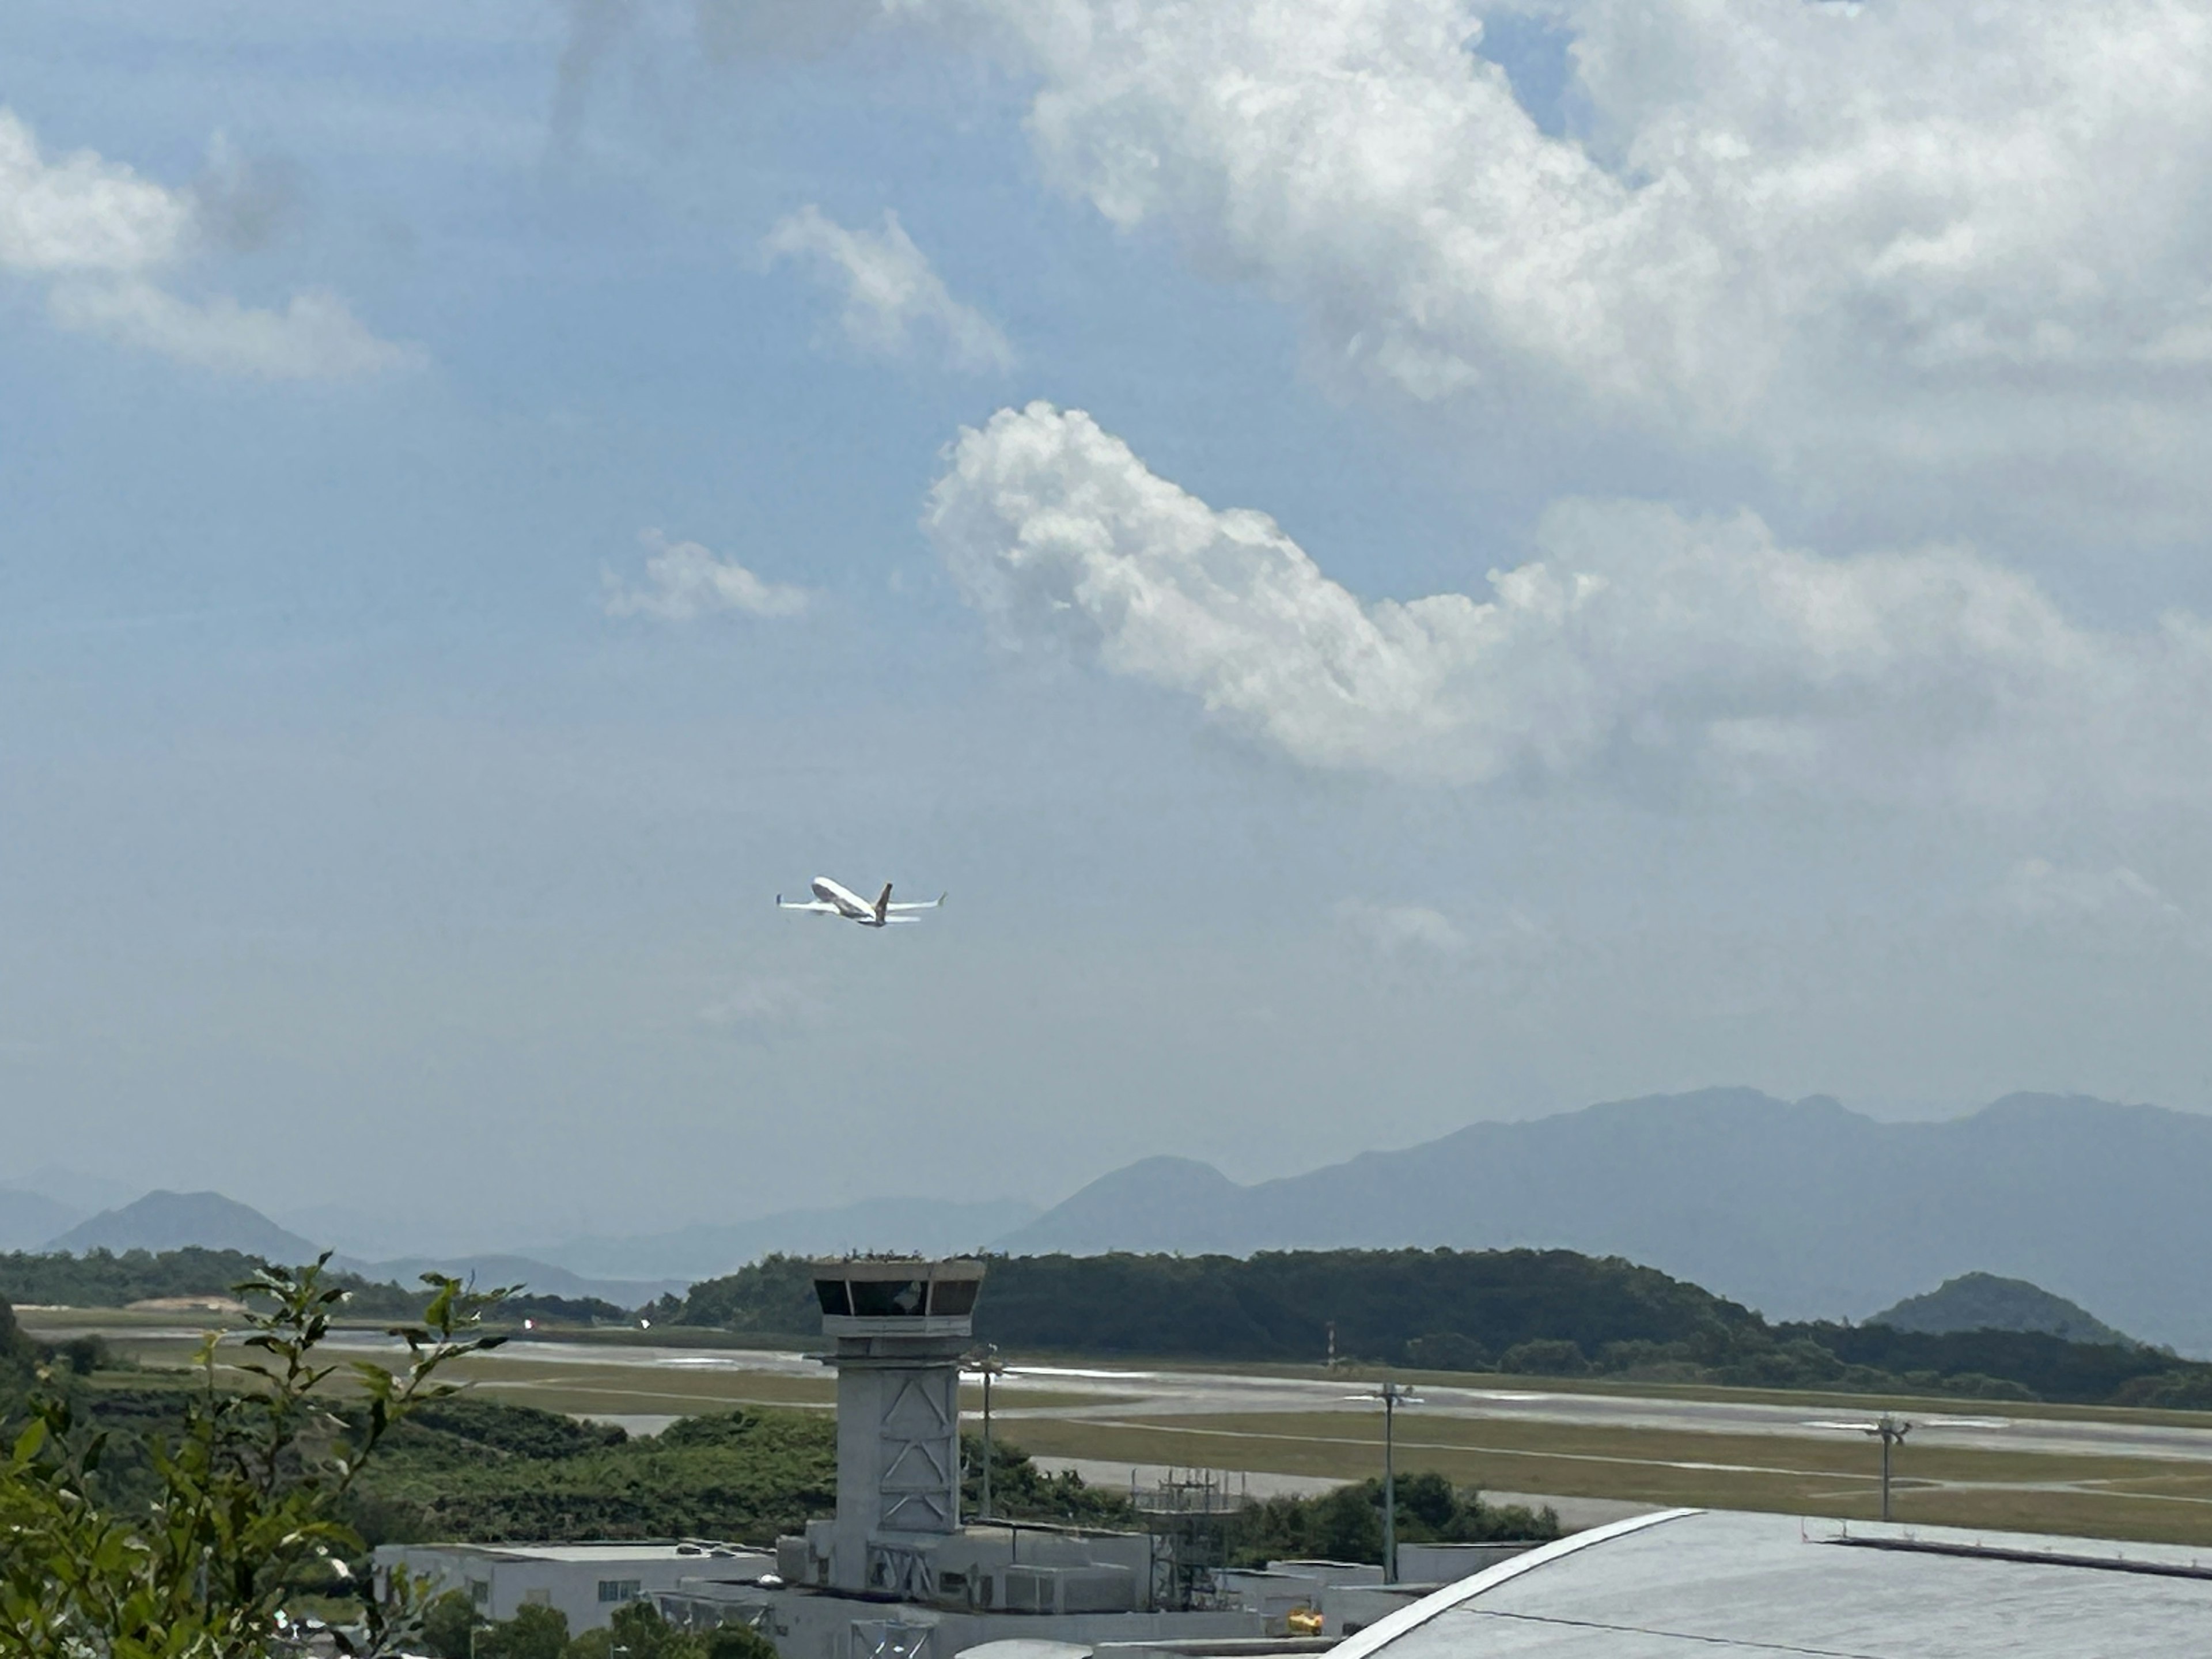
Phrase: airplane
pixel 832 900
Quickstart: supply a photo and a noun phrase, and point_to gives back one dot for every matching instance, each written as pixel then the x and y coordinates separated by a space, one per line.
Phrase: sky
pixel 1402 563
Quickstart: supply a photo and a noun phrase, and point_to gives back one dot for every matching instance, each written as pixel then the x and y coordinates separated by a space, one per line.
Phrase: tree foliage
pixel 1346 1524
pixel 104 1279
pixel 484 1472
pixel 636 1632
pixel 1550 1313
pixel 246 1516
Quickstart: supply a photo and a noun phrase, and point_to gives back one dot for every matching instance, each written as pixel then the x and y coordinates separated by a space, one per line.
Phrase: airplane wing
pixel 817 906
pixel 932 905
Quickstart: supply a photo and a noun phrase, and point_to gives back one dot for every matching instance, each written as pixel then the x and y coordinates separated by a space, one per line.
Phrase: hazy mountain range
pixel 168 1221
pixel 1798 1208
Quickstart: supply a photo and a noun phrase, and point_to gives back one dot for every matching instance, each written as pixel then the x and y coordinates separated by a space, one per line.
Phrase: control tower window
pixel 830 1293
pixel 954 1296
pixel 890 1298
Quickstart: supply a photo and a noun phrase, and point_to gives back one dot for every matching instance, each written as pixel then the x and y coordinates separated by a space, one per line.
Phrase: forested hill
pixel 1529 1312
pixel 1275 1305
pixel 105 1278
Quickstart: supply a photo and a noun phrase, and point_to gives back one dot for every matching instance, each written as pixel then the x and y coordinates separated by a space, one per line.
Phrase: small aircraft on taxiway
pixel 832 900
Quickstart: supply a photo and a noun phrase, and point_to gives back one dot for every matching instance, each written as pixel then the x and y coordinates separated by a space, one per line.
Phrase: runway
pixel 1107 1393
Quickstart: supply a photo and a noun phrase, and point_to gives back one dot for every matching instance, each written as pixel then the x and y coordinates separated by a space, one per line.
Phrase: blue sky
pixel 354 839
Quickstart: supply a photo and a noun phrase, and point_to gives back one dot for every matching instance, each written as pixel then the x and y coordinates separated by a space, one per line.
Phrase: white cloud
pixel 81 212
pixel 1396 928
pixel 101 233
pixel 892 293
pixel 1921 237
pixel 315 337
pixel 1640 642
pixel 683 580
pixel 2037 890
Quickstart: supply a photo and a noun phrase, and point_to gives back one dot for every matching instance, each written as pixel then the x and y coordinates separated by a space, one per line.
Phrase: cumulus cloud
pixel 893 297
pixel 1640 642
pixel 683 580
pixel 102 234
pixel 81 212
pixel 1924 237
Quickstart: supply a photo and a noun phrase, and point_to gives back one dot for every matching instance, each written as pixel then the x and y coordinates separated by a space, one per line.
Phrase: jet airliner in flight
pixel 832 900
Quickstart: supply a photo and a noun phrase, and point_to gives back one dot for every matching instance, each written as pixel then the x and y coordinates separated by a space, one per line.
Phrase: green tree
pixel 534 1633
pixel 248 1492
pixel 739 1642
pixel 447 1625
pixel 638 1632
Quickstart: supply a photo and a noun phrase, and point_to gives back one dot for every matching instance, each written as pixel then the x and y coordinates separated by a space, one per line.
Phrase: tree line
pixel 1525 1312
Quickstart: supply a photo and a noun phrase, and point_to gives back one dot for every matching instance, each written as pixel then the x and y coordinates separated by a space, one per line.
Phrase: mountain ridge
pixel 1804 1209
pixel 166 1220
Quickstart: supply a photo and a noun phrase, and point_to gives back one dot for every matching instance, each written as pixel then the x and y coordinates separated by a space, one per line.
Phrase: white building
pixel 587 1582
pixel 1697 1585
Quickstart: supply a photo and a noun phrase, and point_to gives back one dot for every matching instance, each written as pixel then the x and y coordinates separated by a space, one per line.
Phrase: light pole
pixel 985 1360
pixel 1890 1431
pixel 1393 1395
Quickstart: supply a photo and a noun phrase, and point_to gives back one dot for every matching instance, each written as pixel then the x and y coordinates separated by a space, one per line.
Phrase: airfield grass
pixel 590 1388
pixel 2111 1497
pixel 1824 1475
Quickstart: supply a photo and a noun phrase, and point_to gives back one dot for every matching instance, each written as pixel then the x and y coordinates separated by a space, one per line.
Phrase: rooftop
pixel 1690 1582
pixel 612 1554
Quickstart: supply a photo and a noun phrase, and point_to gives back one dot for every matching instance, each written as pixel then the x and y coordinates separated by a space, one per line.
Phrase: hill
pixel 174 1221
pixel 1983 1302
pixel 1529 1312
pixel 1802 1209
pixel 537 1278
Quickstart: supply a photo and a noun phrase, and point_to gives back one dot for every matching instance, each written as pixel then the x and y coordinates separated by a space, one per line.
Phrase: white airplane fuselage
pixel 850 905
pixel 833 898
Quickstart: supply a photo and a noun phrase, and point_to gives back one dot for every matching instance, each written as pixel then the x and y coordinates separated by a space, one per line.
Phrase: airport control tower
pixel 900 1326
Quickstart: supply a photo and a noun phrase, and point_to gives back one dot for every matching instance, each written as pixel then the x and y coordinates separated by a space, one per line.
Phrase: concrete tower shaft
pixel 900 1326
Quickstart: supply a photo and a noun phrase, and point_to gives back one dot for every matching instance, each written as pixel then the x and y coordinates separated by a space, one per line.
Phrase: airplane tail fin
pixel 884 901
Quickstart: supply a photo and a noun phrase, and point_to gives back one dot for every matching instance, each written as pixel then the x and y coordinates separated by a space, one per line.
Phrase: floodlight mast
pixel 1393 1395
pixel 985 1358
pixel 1890 1431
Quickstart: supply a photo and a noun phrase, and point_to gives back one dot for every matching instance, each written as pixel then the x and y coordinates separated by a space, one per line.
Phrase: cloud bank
pixel 894 299
pixel 1642 645
pixel 102 234
pixel 683 581
pixel 1924 239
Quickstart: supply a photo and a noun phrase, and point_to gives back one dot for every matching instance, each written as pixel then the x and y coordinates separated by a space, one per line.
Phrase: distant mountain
pixel 28 1220
pixel 1803 1210
pixel 72 1188
pixel 932 1226
pixel 1983 1302
pixel 170 1221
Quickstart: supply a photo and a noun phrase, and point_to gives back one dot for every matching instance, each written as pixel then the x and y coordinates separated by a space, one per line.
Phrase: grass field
pixel 1808 1473
pixel 1833 1475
